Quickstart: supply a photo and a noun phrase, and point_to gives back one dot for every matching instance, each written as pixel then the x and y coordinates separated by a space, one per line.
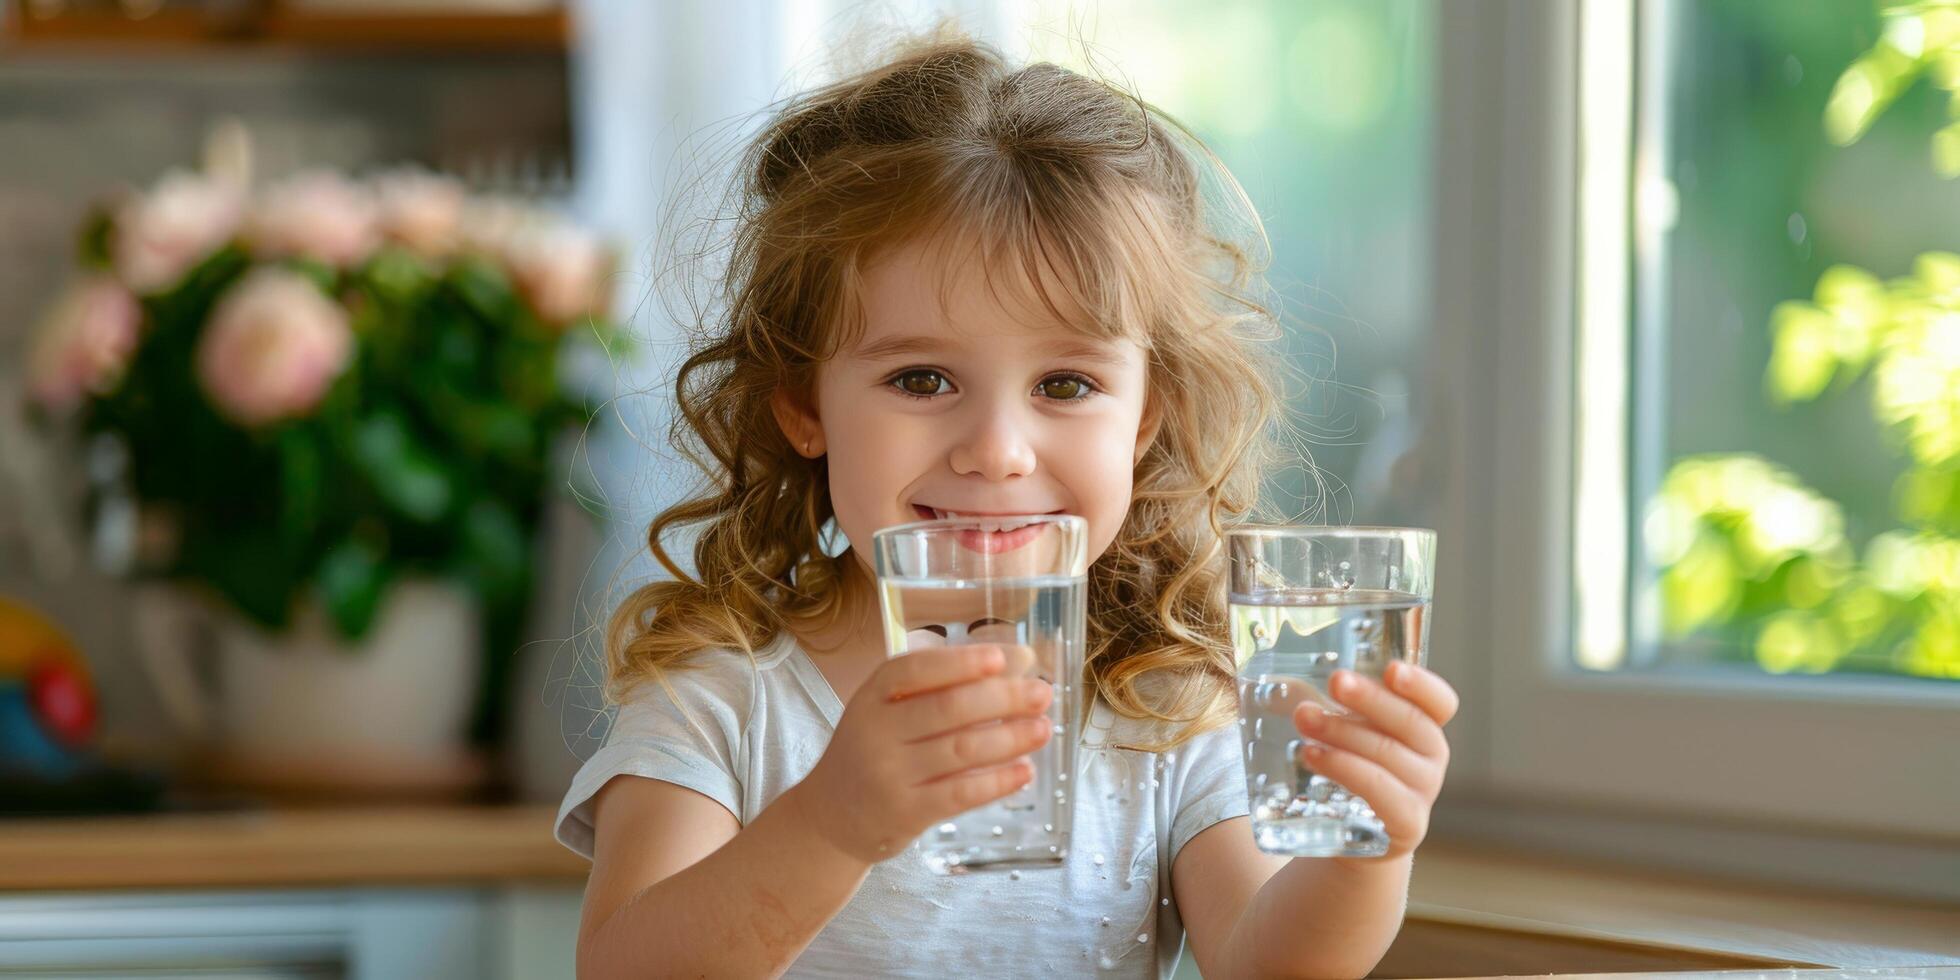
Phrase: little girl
pixel 961 286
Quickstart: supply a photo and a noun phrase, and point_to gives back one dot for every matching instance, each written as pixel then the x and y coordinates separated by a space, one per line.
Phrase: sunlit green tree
pixel 1743 545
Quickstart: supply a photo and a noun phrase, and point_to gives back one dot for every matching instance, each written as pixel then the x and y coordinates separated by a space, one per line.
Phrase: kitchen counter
pixel 286 848
pixel 1472 911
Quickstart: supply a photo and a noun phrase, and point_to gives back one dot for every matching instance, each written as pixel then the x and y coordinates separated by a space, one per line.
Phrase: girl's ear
pixel 798 420
pixel 1153 419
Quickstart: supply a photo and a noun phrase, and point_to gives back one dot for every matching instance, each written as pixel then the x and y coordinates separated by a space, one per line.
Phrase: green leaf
pixel 323 275
pixel 351 579
pixel 302 483
pixel 248 567
pixel 399 276
pixel 405 475
pixel 495 552
pixel 1805 356
pixel 93 242
pixel 484 289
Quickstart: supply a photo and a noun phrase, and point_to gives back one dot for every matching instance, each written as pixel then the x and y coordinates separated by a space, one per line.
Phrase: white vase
pixel 306 711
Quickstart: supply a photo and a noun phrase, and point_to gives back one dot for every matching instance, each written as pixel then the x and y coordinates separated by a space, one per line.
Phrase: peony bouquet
pixel 327 385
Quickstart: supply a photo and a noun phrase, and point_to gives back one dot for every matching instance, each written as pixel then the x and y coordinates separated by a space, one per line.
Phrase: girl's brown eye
pixel 922 383
pixel 1064 389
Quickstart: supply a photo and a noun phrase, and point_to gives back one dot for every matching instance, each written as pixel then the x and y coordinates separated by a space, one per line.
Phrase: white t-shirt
pixel 750 732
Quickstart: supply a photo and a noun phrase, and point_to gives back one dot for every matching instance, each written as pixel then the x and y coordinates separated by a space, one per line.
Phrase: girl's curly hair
pixel 1061 179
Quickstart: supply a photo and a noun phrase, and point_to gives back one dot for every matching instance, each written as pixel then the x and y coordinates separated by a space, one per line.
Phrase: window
pixel 1796 457
pixel 1691 464
pixel 1322 111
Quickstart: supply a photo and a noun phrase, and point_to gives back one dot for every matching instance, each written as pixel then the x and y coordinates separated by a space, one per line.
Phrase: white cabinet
pixel 503 933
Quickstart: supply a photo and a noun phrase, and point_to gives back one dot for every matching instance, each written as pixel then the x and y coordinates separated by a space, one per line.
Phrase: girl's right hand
pixel 927 736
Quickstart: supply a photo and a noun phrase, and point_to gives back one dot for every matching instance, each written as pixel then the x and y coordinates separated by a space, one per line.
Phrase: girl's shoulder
pixel 713 676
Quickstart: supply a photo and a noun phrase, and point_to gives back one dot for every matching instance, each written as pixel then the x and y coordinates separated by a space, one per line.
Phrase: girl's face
pixel 972 408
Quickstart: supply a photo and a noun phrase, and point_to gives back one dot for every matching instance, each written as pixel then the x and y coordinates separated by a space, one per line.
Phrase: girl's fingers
pixel 954 708
pixel 1395 803
pixel 930 670
pixel 1363 740
pixel 1020 661
pixel 1396 716
pixel 961 792
pixel 979 747
pixel 1425 687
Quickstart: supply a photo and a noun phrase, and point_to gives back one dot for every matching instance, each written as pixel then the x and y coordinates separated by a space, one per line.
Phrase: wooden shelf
pixel 286 848
pixel 174 30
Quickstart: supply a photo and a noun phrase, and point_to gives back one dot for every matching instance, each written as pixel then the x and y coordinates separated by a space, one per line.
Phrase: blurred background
pixel 1650 307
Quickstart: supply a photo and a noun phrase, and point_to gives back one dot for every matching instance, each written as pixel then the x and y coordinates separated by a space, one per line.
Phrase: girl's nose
pixel 996 446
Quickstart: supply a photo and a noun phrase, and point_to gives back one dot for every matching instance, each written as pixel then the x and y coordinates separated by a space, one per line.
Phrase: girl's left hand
pixel 1389 750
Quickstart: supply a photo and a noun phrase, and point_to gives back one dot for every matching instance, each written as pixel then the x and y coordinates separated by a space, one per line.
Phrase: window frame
pixel 1537 286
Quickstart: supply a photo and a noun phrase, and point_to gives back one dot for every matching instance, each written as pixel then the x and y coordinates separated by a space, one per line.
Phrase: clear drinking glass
pixel 1015 581
pixel 1305 602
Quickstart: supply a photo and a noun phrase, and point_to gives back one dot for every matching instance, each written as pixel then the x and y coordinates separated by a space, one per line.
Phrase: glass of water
pixel 1305 602
pixel 1017 582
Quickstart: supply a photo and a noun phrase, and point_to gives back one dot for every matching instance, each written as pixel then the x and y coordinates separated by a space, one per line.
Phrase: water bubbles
pixel 1105 920
pixel 1141 787
pixel 1170 758
pixel 1061 777
pixel 1048 828
pixel 1107 962
pixel 1143 937
pixel 1057 730
pixel 1258 728
pixel 997 830
pixel 948 829
pixel 1052 849
pixel 1165 902
pixel 1061 796
pixel 1099 860
pixel 1014 875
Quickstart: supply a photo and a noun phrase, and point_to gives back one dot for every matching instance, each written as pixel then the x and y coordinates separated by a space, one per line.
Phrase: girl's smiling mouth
pixel 992 534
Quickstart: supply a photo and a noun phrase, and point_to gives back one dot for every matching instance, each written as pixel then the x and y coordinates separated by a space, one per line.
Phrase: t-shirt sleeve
pixel 1212 785
pixel 687 732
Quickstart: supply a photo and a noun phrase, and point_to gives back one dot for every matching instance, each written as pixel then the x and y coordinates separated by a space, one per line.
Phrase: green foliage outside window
pixel 1744 548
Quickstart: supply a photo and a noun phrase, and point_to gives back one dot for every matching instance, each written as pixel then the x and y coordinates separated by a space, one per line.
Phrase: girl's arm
pixel 678 889
pixel 1254 914
pixel 1251 914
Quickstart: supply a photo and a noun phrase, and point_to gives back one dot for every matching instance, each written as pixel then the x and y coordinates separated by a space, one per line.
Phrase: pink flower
pixel 421 210
pixel 159 236
pixel 562 269
pixel 491 225
pixel 84 345
pixel 318 215
pixel 274 345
